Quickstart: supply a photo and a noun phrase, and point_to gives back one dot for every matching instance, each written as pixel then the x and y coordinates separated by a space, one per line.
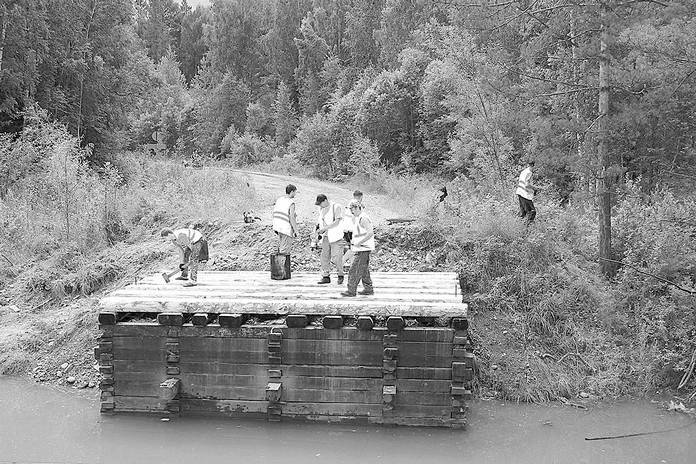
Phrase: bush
pixel 248 148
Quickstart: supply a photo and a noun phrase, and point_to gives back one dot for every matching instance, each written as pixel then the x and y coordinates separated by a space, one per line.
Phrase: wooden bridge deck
pixel 408 294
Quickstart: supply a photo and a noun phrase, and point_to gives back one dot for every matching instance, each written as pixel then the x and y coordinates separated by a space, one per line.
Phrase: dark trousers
pixel 526 208
pixel 360 270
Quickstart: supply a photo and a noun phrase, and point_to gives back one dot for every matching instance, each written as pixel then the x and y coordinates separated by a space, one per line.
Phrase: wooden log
pixel 395 323
pixel 365 323
pixel 332 322
pixel 231 321
pixel 107 318
pixel 274 391
pixel 461 372
pixel 201 319
pixel 296 320
pixel 460 323
pixel 169 389
pixel 170 319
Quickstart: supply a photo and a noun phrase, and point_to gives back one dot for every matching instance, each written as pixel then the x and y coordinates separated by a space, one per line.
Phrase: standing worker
pixel 348 230
pixel 192 247
pixel 525 193
pixel 329 226
pixel 285 220
pixel 362 244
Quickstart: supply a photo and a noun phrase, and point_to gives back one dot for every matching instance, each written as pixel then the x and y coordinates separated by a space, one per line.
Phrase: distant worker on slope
pixel 329 225
pixel 362 244
pixel 192 247
pixel 525 193
pixel 285 220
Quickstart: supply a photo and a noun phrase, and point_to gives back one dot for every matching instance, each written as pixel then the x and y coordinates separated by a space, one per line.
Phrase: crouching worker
pixel 363 242
pixel 192 247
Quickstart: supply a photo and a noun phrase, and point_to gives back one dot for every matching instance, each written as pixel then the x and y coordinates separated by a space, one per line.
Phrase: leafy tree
pixel 362 20
pixel 284 116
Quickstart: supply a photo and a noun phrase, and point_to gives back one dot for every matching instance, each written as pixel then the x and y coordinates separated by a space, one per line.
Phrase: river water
pixel 40 424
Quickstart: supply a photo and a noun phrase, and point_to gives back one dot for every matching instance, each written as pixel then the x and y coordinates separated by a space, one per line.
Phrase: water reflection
pixel 41 424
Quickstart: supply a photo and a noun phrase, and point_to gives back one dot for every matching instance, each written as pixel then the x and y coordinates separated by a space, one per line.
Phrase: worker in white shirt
pixel 525 193
pixel 330 227
pixel 348 230
pixel 192 248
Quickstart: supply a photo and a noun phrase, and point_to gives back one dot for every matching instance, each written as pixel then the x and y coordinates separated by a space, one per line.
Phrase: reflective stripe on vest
pixel 281 215
pixel 359 234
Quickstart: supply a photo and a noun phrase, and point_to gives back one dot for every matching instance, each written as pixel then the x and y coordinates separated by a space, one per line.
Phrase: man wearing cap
pixel 348 230
pixel 362 244
pixel 525 193
pixel 329 226
pixel 285 220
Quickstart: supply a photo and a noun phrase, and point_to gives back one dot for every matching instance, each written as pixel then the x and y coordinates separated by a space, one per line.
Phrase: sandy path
pixel 270 186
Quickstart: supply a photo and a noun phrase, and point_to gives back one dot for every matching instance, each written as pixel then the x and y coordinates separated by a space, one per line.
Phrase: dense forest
pixel 448 86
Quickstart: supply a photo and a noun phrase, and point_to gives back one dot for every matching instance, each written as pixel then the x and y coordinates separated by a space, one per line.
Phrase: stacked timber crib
pixel 243 345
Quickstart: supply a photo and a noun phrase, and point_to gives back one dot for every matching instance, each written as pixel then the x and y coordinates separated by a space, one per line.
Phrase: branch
pixel 566 92
pixel 455 4
pixel 544 79
pixel 642 1
pixel 681 82
pixel 661 279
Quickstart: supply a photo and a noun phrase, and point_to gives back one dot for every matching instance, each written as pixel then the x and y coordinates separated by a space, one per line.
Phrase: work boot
pixel 340 280
pixel 325 280
pixel 192 283
pixel 181 277
pixel 366 292
pixel 347 294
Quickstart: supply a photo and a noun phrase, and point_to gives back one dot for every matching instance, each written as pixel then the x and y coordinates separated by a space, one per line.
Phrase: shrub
pixel 248 148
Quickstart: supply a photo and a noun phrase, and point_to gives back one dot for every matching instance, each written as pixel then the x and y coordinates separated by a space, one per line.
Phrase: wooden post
pixel 173 356
pixel 105 356
pixel 274 387
pixel 390 356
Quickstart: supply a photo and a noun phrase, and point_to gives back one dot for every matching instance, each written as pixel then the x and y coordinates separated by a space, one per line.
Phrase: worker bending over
pixel 192 248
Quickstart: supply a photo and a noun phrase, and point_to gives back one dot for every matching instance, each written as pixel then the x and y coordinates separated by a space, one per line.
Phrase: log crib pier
pixel 240 344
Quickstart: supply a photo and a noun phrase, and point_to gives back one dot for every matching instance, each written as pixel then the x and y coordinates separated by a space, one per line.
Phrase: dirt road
pixel 270 186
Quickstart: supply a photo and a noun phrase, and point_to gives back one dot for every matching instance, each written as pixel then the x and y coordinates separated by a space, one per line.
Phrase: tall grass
pixel 61 219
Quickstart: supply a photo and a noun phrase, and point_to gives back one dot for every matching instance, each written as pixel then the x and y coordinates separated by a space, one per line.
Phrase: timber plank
pixel 233 408
pixel 333 396
pixel 193 381
pixel 138 383
pixel 224 392
pixel 406 399
pixel 138 404
pixel 426 373
pixel 333 383
pixel 345 307
pixel 412 410
pixel 423 386
pixel 331 409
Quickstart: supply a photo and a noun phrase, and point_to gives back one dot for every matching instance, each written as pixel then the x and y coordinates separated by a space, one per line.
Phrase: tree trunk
pixel 3 34
pixel 604 185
